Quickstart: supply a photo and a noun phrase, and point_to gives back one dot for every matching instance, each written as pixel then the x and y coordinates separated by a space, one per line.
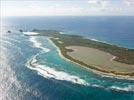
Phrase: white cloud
pixel 93 2
pixel 80 7
pixel 99 2
pixel 113 6
pixel 129 2
pixel 105 3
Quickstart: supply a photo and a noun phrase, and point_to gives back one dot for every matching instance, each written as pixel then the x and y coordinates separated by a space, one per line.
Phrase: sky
pixel 67 7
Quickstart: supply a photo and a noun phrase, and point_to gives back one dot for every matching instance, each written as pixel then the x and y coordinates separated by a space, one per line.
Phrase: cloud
pixel 35 7
pixel 129 2
pixel 93 1
pixel 112 7
pixel 69 7
pixel 105 3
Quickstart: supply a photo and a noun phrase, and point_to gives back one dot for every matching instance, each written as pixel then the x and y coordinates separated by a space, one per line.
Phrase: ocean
pixel 54 78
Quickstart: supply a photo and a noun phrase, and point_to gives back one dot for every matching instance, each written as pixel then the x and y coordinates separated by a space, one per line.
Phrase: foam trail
pixel 129 88
pixel 95 40
pixel 61 33
pixel 30 33
pixel 52 73
pixel 37 44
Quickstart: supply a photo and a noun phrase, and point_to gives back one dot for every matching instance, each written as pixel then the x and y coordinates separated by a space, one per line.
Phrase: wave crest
pixel 37 44
pixel 51 73
pixel 30 33
pixel 129 88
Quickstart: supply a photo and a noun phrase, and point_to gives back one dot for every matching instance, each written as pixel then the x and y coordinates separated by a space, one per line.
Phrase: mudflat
pixel 99 59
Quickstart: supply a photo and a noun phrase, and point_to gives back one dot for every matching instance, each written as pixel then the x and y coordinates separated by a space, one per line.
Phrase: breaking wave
pixel 129 88
pixel 37 44
pixel 30 33
pixel 52 73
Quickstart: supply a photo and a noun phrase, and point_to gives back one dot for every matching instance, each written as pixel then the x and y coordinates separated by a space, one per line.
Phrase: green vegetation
pixel 123 55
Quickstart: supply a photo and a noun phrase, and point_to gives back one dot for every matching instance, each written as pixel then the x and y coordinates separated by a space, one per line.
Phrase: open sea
pixel 51 77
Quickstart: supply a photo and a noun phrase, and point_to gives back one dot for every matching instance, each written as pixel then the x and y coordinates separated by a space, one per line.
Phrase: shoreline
pixel 103 73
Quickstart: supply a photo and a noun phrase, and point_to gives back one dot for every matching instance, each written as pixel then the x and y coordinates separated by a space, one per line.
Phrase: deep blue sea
pixel 51 77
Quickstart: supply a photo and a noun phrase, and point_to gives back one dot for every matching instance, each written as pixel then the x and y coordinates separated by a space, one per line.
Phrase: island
pixel 8 31
pixel 20 30
pixel 96 55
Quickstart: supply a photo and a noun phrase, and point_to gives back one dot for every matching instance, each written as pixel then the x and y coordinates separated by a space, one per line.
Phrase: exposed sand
pixel 99 59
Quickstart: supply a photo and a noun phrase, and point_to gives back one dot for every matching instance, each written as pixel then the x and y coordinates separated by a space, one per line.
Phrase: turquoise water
pixel 59 79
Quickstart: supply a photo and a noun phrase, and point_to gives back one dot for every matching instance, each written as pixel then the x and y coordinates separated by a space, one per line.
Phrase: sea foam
pixel 129 88
pixel 52 73
pixel 95 40
pixel 38 44
pixel 30 33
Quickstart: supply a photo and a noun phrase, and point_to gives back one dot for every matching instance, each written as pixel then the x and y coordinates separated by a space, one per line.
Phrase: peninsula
pixel 103 57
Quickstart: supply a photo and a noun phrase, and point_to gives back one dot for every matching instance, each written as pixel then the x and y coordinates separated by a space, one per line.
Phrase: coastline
pixel 103 73
pixel 58 50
